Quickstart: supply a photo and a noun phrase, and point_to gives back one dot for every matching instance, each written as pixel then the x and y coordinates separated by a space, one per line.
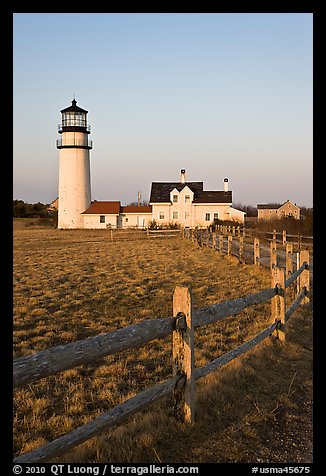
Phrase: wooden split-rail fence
pixel 282 237
pixel 233 241
pixel 182 326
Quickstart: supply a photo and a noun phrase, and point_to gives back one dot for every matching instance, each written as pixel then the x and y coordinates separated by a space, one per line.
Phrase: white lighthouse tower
pixel 74 167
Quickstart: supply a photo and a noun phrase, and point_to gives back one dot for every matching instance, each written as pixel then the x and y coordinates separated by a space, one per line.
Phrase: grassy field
pixel 69 285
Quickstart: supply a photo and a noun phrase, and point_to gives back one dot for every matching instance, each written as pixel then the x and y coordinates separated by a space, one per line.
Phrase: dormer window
pixel 187 198
pixel 175 198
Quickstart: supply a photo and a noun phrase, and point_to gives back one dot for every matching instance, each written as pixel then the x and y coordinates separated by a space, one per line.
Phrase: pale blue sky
pixel 219 94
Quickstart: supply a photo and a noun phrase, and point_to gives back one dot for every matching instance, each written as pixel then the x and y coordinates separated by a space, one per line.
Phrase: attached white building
pixel 102 214
pixel 189 205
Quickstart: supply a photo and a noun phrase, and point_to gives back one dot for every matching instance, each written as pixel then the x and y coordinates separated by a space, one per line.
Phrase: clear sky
pixel 218 94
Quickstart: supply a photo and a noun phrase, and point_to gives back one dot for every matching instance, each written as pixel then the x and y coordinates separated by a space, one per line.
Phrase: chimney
pixel 226 185
pixel 183 176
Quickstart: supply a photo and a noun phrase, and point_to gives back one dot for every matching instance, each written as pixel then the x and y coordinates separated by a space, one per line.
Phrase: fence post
pixel 214 241
pixel 273 259
pixel 220 243
pixel 274 235
pixel 298 266
pixel 284 237
pixel 289 264
pixel 183 355
pixel 229 244
pixel 256 252
pixel 241 249
pixel 111 234
pixel 304 278
pixel 278 302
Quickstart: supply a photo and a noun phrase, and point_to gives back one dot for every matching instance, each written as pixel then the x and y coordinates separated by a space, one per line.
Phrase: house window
pixel 175 215
pixel 187 215
pixel 208 217
pixel 161 215
pixel 102 218
pixel 215 216
pixel 175 198
pixel 187 198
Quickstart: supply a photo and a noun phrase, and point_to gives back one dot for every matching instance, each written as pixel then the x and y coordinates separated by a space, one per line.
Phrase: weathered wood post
pixel 111 234
pixel 256 252
pixel 288 259
pixel 229 244
pixel 220 243
pixel 274 235
pixel 284 237
pixel 278 302
pixel 233 230
pixel 304 278
pixel 214 241
pixel 289 265
pixel 147 232
pixel 199 238
pixel 241 260
pixel 273 257
pixel 183 355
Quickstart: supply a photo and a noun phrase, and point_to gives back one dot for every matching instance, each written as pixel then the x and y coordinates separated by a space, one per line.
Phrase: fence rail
pixel 136 233
pixel 182 325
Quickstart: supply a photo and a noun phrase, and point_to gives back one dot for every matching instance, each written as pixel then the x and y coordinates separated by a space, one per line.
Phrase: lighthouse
pixel 74 166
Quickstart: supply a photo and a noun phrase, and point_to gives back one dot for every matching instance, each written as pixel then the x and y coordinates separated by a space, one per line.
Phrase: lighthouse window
pixel 102 218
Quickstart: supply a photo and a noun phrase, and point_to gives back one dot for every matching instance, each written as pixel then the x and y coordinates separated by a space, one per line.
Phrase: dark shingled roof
pixel 267 206
pixel 160 193
pixel 214 197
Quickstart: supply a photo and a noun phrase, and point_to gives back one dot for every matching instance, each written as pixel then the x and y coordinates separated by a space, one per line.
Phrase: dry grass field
pixel 69 285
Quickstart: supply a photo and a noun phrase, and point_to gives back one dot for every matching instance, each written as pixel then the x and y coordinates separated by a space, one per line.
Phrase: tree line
pixel 22 209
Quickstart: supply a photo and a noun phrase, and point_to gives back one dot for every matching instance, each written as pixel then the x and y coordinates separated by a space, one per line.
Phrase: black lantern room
pixel 74 119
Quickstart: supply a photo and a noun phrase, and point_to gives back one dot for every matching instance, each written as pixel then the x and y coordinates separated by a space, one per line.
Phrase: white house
pixel 189 205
